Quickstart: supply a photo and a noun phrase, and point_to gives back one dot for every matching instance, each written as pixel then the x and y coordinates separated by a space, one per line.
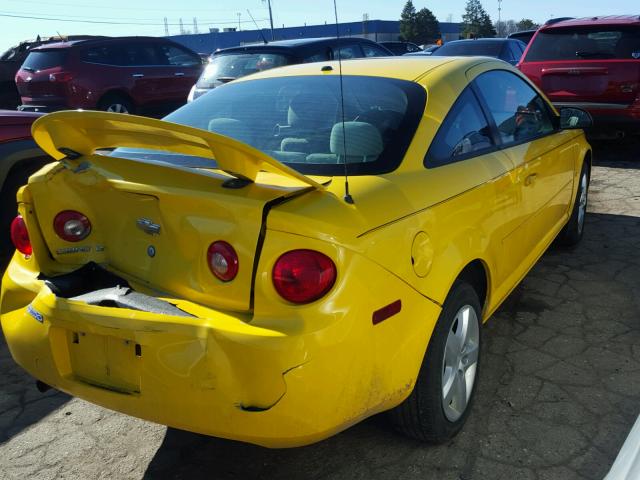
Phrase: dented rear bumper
pixel 214 372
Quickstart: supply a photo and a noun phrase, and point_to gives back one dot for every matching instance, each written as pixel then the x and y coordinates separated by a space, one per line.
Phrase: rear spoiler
pixel 71 134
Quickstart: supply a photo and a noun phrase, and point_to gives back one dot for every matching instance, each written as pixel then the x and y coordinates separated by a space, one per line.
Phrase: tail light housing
pixel 71 226
pixel 222 260
pixel 60 77
pixel 303 276
pixel 20 236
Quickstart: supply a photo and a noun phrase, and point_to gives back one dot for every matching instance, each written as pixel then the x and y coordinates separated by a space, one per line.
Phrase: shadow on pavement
pixel 21 404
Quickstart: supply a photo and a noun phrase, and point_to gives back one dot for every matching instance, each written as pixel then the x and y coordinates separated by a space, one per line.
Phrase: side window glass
pixel 517 109
pixel 373 51
pixel 105 55
pixel 141 54
pixel 464 133
pixel 178 57
pixel 317 57
pixel 348 52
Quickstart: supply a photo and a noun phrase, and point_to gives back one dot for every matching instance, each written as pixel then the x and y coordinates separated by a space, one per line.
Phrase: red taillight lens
pixel 20 236
pixel 60 77
pixel 71 226
pixel 222 260
pixel 302 276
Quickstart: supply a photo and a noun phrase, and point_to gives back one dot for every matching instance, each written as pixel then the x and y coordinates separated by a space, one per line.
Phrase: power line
pixel 105 22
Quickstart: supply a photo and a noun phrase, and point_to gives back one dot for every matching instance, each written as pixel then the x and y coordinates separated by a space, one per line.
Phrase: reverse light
pixel 222 260
pixel 71 226
pixel 20 236
pixel 302 276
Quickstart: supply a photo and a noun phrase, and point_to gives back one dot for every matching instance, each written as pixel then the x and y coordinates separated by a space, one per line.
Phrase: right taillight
pixel 61 77
pixel 71 226
pixel 20 236
pixel 302 276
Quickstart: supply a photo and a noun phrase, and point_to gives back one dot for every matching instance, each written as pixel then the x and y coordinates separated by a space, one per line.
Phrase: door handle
pixel 179 74
pixel 530 179
pixel 138 75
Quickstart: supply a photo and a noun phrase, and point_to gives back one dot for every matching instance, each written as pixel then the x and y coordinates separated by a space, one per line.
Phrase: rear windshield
pixel 224 68
pixel 585 43
pixel 44 59
pixel 469 48
pixel 297 120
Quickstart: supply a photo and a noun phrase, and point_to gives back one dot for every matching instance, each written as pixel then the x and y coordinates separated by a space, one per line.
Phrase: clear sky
pixel 146 17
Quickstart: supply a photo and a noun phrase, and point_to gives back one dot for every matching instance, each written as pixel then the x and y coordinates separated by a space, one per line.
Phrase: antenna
pixel 257 27
pixel 347 196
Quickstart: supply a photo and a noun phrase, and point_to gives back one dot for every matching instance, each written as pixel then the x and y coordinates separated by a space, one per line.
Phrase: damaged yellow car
pixel 294 251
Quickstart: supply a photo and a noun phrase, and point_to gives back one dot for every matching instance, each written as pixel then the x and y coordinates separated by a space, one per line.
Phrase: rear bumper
pixel 218 373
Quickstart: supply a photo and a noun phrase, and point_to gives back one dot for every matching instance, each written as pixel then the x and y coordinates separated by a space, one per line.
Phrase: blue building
pixel 377 30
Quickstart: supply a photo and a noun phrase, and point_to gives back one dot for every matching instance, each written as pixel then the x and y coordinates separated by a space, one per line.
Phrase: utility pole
pixel 195 25
pixel 166 27
pixel 181 27
pixel 499 17
pixel 239 27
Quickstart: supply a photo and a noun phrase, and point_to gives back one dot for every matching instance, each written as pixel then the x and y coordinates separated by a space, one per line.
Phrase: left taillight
pixel 71 226
pixel 20 236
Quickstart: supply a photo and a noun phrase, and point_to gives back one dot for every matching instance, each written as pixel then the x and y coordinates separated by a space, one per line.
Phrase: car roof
pixel 293 44
pixel 482 40
pixel 601 20
pixel 96 41
pixel 402 68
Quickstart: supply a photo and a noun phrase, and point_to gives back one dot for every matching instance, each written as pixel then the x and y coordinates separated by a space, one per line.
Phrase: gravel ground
pixel 559 390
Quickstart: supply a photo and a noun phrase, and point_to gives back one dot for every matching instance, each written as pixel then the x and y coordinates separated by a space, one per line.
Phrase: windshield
pixel 296 120
pixel 469 48
pixel 224 68
pixel 44 59
pixel 585 43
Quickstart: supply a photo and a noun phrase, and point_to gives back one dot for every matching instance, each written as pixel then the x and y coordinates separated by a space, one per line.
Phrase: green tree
pixel 408 22
pixel 477 22
pixel 526 24
pixel 427 27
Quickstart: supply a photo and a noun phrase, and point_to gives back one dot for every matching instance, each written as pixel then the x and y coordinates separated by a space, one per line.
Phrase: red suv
pixel 125 74
pixel 590 63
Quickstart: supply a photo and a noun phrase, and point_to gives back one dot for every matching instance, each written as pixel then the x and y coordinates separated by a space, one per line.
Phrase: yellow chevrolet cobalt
pixel 294 251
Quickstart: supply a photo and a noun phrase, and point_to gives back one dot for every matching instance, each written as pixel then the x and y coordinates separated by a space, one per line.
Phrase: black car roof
pixel 296 44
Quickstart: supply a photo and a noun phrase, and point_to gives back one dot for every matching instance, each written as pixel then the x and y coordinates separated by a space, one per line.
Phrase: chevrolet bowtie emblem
pixel 147 226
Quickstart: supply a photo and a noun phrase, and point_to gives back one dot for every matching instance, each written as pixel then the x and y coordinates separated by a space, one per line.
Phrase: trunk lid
pixel 33 78
pixel 153 221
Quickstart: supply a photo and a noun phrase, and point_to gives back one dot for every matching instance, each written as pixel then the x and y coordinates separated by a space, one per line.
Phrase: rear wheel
pixel 572 232
pixel 441 399
pixel 116 103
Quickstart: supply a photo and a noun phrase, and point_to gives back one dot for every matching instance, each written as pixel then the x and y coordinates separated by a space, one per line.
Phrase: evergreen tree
pixel 477 22
pixel 408 22
pixel 527 24
pixel 427 27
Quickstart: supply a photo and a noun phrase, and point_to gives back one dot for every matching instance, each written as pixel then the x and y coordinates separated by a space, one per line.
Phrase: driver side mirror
pixel 574 118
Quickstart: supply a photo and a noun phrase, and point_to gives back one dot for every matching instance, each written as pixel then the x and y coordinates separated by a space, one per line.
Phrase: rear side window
pixel 517 110
pixel 584 43
pixel 44 59
pixel 104 55
pixel 373 51
pixel 177 56
pixel 464 133
pixel 142 54
pixel 349 51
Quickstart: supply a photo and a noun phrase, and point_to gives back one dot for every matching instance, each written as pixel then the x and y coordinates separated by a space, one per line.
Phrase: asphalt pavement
pixel 559 387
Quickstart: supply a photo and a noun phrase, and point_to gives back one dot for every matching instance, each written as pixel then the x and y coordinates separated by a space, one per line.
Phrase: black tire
pixel 573 231
pixel 115 102
pixel 422 415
